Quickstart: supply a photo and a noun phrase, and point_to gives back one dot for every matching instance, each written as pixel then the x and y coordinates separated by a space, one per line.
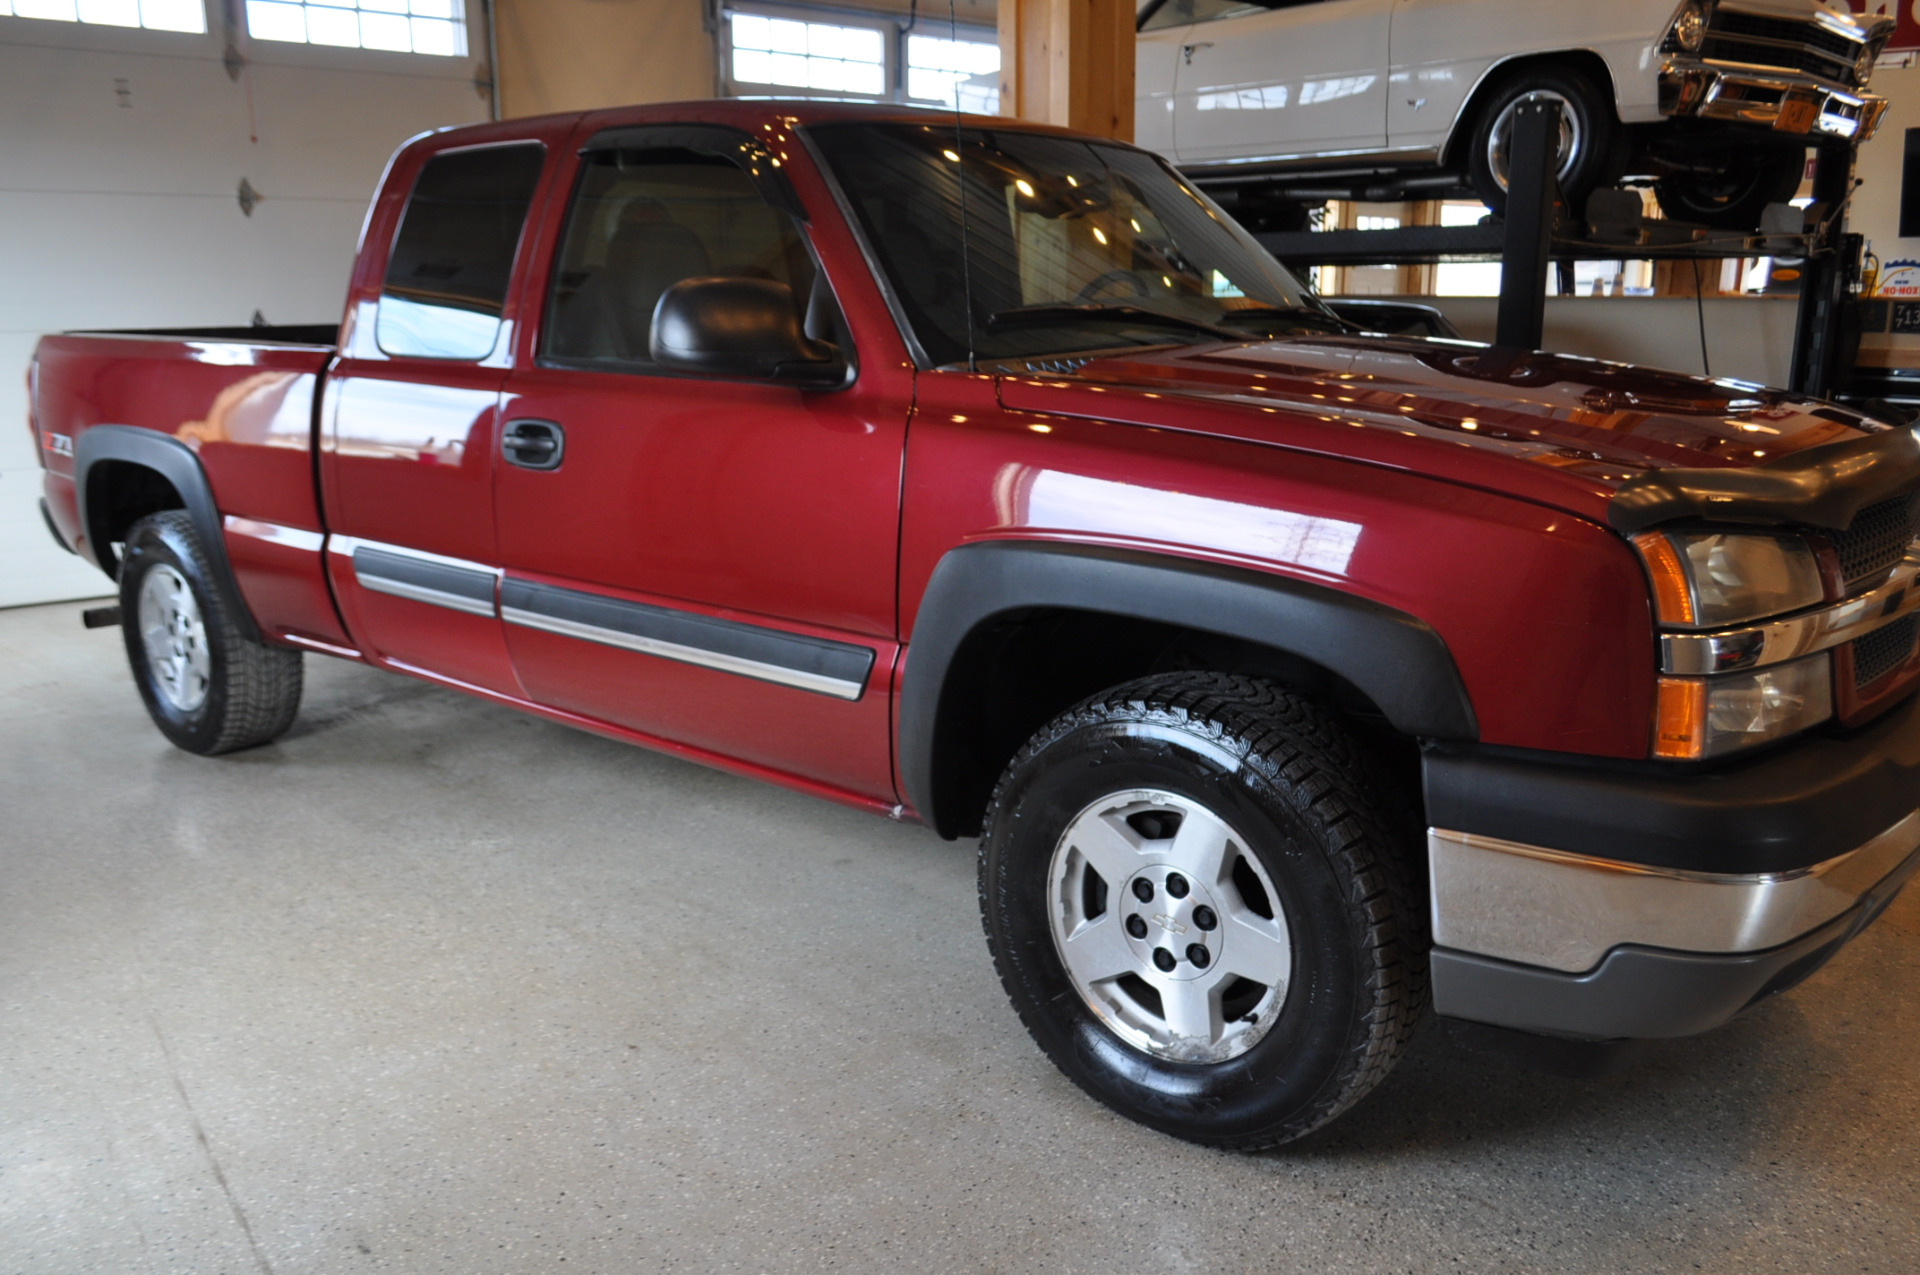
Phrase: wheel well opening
pixel 1585 61
pixel 1017 672
pixel 119 494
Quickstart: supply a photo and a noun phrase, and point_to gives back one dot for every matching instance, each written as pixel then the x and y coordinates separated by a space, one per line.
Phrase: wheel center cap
pixel 1172 922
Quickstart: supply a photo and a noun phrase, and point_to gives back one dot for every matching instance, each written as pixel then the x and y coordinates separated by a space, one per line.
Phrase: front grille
pixel 1875 543
pixel 1884 650
pixel 1787 43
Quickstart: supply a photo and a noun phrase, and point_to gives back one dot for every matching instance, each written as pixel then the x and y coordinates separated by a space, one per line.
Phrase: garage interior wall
pixel 572 55
pixel 120 168
pixel 1876 205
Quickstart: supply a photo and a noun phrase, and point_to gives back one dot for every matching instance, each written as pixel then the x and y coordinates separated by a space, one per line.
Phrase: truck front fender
pixel 175 462
pixel 1396 660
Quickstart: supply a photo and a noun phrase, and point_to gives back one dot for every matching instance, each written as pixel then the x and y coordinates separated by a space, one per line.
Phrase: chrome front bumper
pixel 1543 941
pixel 1768 99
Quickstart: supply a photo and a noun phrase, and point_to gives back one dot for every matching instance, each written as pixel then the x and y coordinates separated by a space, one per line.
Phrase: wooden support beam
pixel 1069 62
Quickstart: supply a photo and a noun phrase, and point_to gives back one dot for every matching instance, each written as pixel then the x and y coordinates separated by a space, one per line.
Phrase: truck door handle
pixel 1187 50
pixel 533 444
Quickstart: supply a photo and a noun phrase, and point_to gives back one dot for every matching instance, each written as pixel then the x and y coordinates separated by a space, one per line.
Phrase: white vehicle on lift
pixel 1276 103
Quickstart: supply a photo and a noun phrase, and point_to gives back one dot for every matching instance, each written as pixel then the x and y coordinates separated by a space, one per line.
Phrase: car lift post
pixel 1534 149
pixel 1825 278
pixel 1533 235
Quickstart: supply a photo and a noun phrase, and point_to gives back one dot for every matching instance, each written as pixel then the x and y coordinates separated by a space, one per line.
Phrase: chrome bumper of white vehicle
pixel 1544 941
pixel 1782 101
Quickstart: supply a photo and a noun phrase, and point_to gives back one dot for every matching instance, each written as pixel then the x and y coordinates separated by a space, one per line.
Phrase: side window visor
pixel 452 261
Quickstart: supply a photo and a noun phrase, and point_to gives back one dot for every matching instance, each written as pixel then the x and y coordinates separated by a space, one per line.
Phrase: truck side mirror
pixel 739 327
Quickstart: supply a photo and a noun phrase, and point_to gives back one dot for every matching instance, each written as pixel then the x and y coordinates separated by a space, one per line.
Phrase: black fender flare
pixel 174 461
pixel 1395 659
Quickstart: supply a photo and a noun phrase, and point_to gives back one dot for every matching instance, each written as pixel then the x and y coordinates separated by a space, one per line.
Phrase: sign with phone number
pixel 1906 36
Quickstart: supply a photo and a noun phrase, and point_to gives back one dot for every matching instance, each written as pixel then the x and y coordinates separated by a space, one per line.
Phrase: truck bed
pixel 324 334
pixel 243 401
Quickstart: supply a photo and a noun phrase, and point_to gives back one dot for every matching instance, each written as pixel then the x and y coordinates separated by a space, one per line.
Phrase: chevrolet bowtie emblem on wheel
pixel 1168 924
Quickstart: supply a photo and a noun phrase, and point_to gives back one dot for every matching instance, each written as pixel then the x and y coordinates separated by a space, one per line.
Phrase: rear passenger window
pixel 453 258
pixel 642 221
pixel 1180 13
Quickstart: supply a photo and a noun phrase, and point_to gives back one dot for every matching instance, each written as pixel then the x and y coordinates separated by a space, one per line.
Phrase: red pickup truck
pixel 983 474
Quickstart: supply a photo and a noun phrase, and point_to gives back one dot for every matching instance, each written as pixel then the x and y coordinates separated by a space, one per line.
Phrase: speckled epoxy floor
pixel 433 986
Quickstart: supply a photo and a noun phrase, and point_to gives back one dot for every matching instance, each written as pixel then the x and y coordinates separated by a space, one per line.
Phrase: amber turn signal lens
pixel 1672 597
pixel 1680 718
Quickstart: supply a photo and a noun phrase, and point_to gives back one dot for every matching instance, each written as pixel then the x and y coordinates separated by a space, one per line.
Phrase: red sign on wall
pixel 1906 36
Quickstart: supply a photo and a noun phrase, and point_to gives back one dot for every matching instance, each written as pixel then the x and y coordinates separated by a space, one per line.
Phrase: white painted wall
pixel 121 210
pixel 1876 205
pixel 1748 338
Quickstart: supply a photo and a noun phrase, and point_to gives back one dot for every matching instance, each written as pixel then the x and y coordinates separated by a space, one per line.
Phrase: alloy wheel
pixel 1500 136
pixel 1169 927
pixel 175 639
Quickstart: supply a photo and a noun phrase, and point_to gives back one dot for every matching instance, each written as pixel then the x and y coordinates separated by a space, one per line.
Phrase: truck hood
pixel 1556 429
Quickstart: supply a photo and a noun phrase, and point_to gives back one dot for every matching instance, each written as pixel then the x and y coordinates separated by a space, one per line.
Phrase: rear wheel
pixel 208 687
pixel 1589 135
pixel 1200 898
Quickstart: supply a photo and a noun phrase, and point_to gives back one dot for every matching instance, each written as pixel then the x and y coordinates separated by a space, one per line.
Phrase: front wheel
pixel 208 687
pixel 1200 899
pixel 1733 196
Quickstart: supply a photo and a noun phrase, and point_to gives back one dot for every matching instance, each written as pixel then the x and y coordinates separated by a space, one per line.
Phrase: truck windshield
pixel 1068 244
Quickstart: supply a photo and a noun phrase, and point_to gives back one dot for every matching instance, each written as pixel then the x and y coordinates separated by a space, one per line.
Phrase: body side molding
pixel 422 577
pixel 837 669
pixel 174 461
pixel 1398 661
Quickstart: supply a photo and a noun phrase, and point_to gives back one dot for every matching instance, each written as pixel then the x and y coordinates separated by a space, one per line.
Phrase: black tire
pixel 1327 835
pixel 239 693
pixel 1733 197
pixel 1591 148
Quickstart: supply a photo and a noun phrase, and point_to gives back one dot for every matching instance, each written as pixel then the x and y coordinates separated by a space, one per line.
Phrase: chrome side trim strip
pixel 685 654
pixel 1561 911
pixel 1737 650
pixel 420 576
pixel 418 593
pixel 325 648
pixel 1200 169
pixel 275 533
pixel 837 669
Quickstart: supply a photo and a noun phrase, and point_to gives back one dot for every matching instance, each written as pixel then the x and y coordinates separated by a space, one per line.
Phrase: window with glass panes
pixel 799 52
pixel 155 15
pixel 402 26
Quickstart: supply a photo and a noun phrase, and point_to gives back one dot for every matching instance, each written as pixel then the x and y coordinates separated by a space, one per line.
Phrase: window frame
pixel 472 21
pixel 894 30
pixel 503 338
pixel 774 188
pixel 78 22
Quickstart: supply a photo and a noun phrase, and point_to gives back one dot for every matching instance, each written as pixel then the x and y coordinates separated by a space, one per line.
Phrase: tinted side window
pixel 643 220
pixel 453 258
pixel 1180 13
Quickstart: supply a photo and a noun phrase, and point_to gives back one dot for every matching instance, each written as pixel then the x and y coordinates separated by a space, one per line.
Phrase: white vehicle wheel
pixel 1589 135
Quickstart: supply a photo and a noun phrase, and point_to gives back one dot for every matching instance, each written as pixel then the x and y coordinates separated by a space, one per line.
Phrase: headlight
pixel 1863 67
pixel 1690 28
pixel 1700 717
pixel 1709 580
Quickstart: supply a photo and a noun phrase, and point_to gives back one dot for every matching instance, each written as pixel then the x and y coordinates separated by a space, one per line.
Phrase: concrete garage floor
pixel 433 986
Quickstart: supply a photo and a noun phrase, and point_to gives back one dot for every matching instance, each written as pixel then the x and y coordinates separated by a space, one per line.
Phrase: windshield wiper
pixel 1044 316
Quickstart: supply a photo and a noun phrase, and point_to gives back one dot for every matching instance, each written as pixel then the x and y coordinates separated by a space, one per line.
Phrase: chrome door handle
pixel 533 444
pixel 1187 49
